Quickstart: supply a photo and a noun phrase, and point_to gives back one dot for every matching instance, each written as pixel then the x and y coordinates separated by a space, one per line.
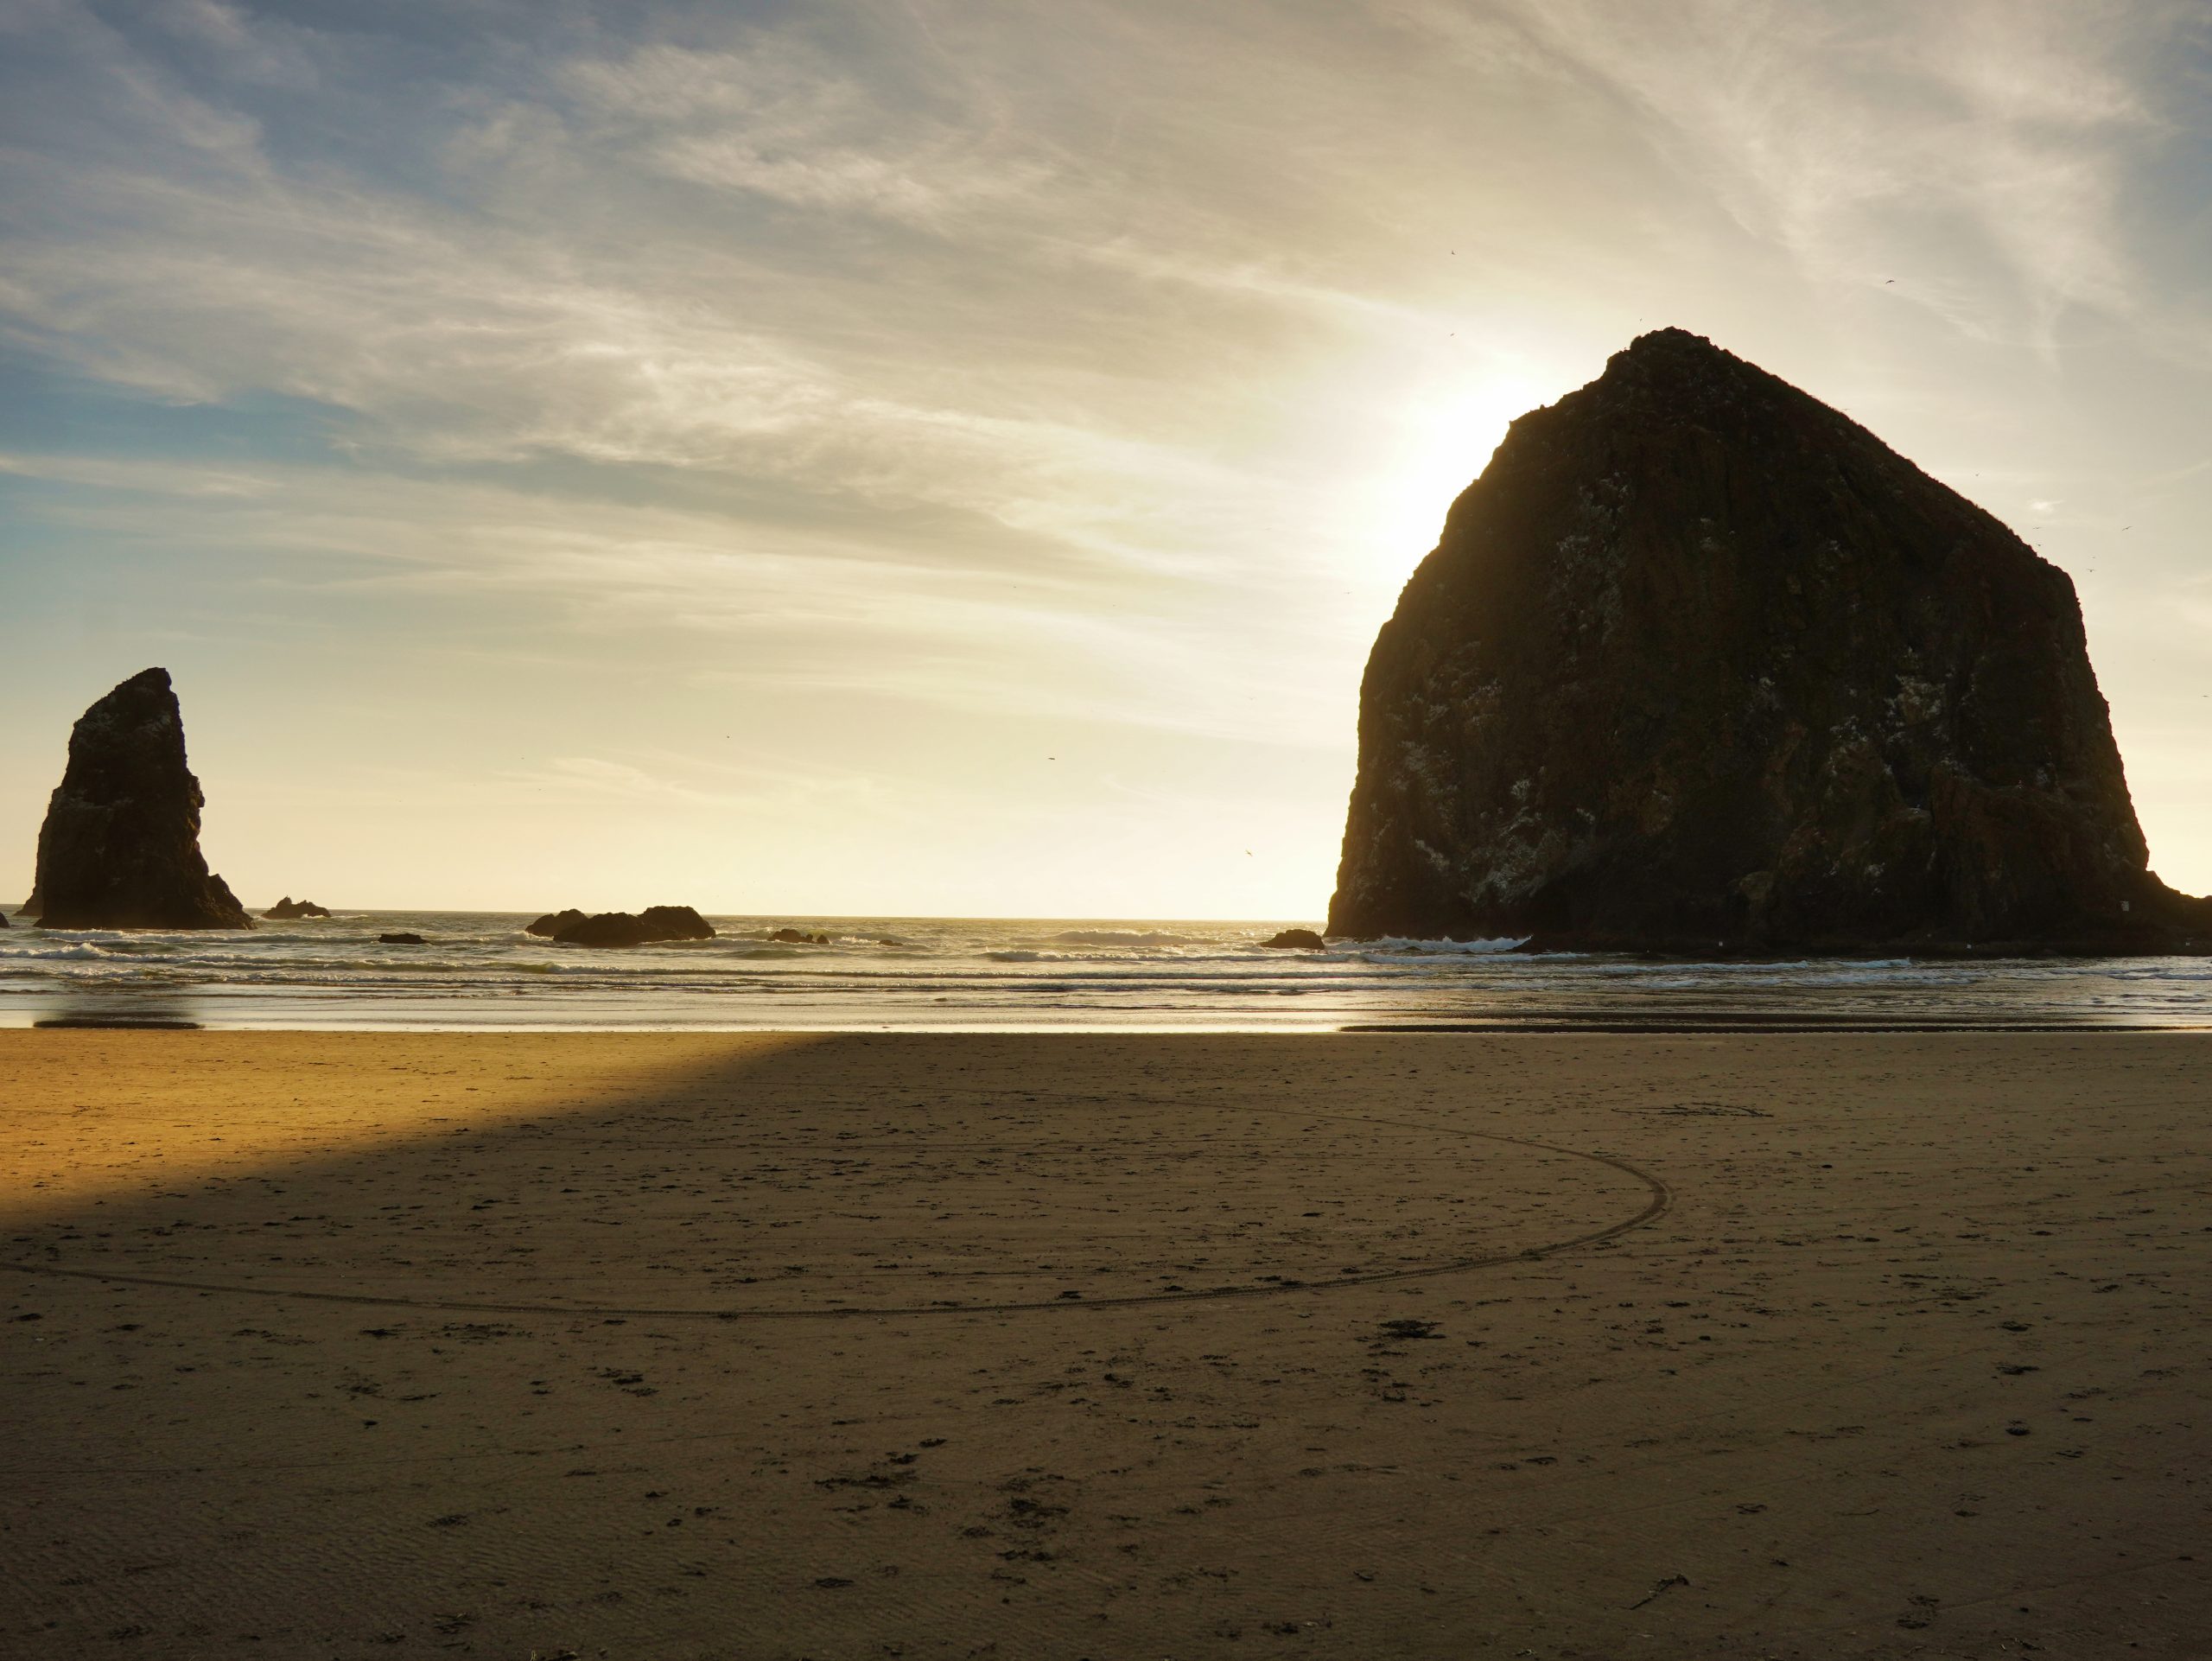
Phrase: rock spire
pixel 120 847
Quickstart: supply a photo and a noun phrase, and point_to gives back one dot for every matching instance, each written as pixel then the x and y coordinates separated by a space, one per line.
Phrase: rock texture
pixel 653 924
pixel 120 847
pixel 1700 662
pixel 553 922
pixel 287 909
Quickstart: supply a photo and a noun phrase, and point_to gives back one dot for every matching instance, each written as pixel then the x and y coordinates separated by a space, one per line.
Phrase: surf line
pixel 1659 1201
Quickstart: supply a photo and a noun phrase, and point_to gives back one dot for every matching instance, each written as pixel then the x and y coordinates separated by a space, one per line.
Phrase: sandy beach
pixel 1589 1345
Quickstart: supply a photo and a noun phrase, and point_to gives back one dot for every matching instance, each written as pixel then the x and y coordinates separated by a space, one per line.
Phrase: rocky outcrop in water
pixel 1295 939
pixel 650 926
pixel 799 937
pixel 1698 662
pixel 553 922
pixel 120 847
pixel 288 909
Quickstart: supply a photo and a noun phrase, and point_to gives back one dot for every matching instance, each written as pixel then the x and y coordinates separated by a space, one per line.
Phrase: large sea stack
pixel 1700 662
pixel 120 847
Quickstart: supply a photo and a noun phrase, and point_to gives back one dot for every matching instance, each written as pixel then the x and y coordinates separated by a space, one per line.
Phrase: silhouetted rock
pixel 401 939
pixel 553 921
pixel 1295 939
pixel 289 909
pixel 799 937
pixel 1699 661
pixel 648 927
pixel 120 847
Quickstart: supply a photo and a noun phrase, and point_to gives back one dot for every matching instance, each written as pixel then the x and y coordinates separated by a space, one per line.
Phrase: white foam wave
pixel 957 972
pixel 1445 948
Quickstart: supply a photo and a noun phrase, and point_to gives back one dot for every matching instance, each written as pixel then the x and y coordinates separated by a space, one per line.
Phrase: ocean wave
pixel 49 951
pixel 1408 947
pixel 1142 974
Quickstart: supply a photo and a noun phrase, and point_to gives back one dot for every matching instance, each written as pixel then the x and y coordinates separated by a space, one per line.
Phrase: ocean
pixel 479 970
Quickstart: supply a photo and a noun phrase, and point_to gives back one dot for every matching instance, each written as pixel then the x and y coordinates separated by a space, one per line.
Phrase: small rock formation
pixel 619 928
pixel 1699 661
pixel 1295 939
pixel 120 847
pixel 799 937
pixel 287 909
pixel 553 921
pixel 401 939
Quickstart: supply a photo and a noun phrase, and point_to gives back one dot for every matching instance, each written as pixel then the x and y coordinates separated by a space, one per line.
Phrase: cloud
pixel 724 603
pixel 202 271
pixel 1976 155
pixel 792 124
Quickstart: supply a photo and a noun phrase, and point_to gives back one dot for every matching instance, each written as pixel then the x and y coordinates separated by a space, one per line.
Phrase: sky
pixel 952 459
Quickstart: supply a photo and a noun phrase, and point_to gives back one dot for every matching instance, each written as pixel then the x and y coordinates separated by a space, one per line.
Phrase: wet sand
pixel 1597 1345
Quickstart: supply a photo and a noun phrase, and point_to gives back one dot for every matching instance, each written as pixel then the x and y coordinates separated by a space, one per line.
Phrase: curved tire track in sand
pixel 1660 1200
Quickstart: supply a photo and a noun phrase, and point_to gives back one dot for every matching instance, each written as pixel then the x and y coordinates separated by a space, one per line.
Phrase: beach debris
pixel 1408 1326
pixel 1658 1587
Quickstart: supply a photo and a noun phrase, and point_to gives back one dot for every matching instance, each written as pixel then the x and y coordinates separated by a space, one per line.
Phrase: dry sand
pixel 1558 1346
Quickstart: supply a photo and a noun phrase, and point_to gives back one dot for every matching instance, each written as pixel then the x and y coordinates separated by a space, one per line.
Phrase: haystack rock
pixel 1698 662
pixel 652 926
pixel 120 847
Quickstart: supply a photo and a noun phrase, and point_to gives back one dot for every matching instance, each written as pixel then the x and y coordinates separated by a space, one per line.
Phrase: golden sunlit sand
pixel 1588 1346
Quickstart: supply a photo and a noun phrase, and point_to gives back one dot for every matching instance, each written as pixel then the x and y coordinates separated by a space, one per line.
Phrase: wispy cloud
pixel 1977 155
pixel 793 124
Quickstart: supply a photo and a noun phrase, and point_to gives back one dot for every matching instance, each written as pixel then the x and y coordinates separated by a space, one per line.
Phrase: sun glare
pixel 1436 451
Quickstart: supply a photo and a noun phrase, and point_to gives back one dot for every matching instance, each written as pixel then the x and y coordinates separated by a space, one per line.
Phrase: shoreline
pixel 475 971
